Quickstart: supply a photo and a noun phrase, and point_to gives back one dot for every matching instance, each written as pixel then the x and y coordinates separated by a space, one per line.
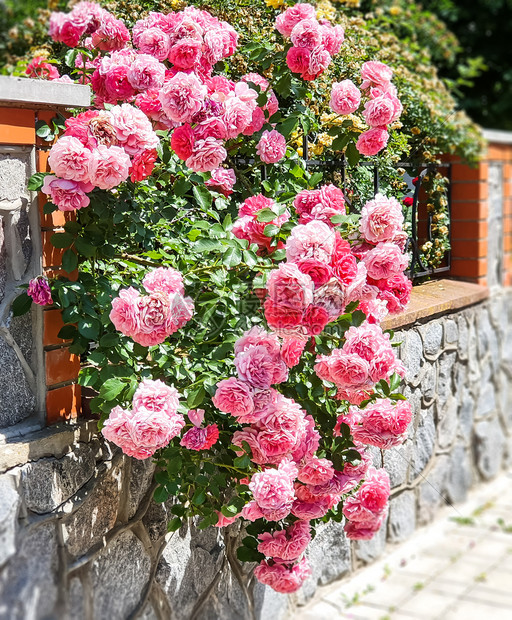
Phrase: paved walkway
pixel 458 568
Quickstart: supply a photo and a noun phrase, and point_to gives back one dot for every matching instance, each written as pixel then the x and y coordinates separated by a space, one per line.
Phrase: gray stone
pixel 188 566
pixel 447 423
pixel 270 604
pixel 368 551
pixel 423 443
pixel 14 171
pixel 431 493
pixel 460 476
pixel 329 555
pixel 432 336
pixel 466 414
pixel 9 505
pixel 429 383
pixel 486 399
pixel 487 340
pixel 451 332
pixel 96 516
pixel 490 444
pixel 229 600
pixel 141 477
pixel 463 347
pixel 120 576
pixel 396 463
pixel 28 583
pixel 49 482
pixel 412 356
pixel 402 516
pixel 155 521
pixel 77 604
pixel 445 377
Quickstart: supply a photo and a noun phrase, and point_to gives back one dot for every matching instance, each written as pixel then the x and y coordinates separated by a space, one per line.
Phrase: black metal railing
pixel 417 267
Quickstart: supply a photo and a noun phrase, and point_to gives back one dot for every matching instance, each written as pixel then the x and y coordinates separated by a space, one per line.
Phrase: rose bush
pixel 228 313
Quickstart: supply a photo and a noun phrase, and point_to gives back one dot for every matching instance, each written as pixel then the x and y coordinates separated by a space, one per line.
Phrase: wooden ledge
pixel 435 298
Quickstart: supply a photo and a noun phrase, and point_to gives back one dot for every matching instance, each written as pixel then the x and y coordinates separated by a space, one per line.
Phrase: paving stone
pixel 432 336
pixel 49 482
pixel 28 583
pixel 490 444
pixel 119 577
pixel 402 516
pixel 9 504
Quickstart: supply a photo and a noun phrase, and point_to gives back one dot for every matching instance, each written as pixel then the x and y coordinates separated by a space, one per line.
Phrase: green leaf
pixel 161 495
pixel 109 340
pixel 352 154
pixel 68 332
pixel 181 186
pixel 286 127
pixel 61 240
pixel 36 181
pixel 315 178
pixel 271 230
pixel 232 257
pixel 89 328
pixel 242 462
pixel 195 397
pixel 199 497
pixel 112 388
pixel 203 196
pixel 174 524
pixel 21 305
pixel 266 215
pixel 70 58
pixel 84 248
pixel 69 261
pixel 245 554
pixel 43 130
pixel 207 245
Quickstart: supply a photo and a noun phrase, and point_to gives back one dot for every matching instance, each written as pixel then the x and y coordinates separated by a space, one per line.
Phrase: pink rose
pixel 319 60
pixel 222 180
pixel 318 271
pixel 206 155
pixel 152 430
pixel 156 396
pixel 146 72
pixel 291 351
pixel 331 297
pixel 69 159
pixel 384 261
pixel 117 84
pixel 237 116
pixel 382 424
pixel 312 240
pixel 235 397
pixel 182 97
pixel 315 319
pixel 155 42
pixel 154 319
pixel 67 195
pixel 316 471
pixel 287 545
pixel 395 291
pixel 185 54
pixel 133 129
pixel 375 73
pixel 287 286
pixel 381 219
pixel 273 489
pixel 281 577
pixel 165 279
pixel 372 141
pixel 271 147
pixel 287 20
pixel 379 112
pixel 332 38
pixel 258 336
pixel 111 34
pixel 345 97
pixel 306 33
pixel 256 366
pixel 125 312
pixel 200 438
pixel 297 59
pixel 281 317
pixel 38 68
pixel 182 141
pixel 109 167
pixel 39 291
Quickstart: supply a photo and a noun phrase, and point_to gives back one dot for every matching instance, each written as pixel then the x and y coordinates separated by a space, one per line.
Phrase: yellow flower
pixel 395 10
pixel 275 4
pixel 325 10
pixel 325 139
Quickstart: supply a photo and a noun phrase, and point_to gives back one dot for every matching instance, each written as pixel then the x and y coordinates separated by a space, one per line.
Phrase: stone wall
pixel 80 536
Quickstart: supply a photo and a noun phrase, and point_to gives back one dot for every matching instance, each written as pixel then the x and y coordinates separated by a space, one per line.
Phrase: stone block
pixel 141 477
pixel 460 476
pixel 445 377
pixel 486 403
pixel 270 604
pixel 432 336
pixel 412 356
pixel 423 443
pixel 9 505
pixel 447 423
pixel 429 383
pixel 489 447
pixel 49 482
pixel 368 551
pixel 431 493
pixel 396 463
pixel 120 575
pixel 487 339
pixel 28 583
pixel 451 332
pixel 329 555
pixel 402 516
pixel 466 414
pixel 463 348
pixel 96 515
pixel 229 600
pixel 188 566
pixel 76 601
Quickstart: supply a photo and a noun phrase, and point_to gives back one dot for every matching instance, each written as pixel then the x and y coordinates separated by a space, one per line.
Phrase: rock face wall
pixel 80 536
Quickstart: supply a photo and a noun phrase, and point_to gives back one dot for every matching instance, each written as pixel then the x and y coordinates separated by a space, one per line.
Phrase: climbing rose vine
pixel 264 413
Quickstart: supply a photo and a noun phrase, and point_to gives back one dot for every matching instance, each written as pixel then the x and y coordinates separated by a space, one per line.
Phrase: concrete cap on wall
pixel 497 136
pixel 22 92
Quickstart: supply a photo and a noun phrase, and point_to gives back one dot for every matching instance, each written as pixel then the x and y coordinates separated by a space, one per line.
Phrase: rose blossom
pixel 372 141
pixel 273 489
pixel 185 54
pixel 165 279
pixel 206 155
pixel 142 165
pixel 156 396
pixel 200 438
pixel 315 318
pixel 281 317
pixel 39 291
pixel 259 368
pixel 222 180
pixel 384 261
pixel 117 84
pixel 154 429
pixel 395 291
pixel 379 112
pixel 125 312
pixel 257 336
pixel 345 97
pixel 133 129
pixel 306 33
pixel 288 544
pixel 271 147
pixel 69 159
pixel 182 141
pixel 312 240
pixel 291 351
pixel 287 286
pixel 318 271
pixel 382 424
pixel 281 577
pixel 67 195
pixel 316 471
pixel 155 42
pixel 375 73
pixel 146 72
pixel 381 219
pixel 110 166
pixel 234 397
pixel 182 97
pixel 297 59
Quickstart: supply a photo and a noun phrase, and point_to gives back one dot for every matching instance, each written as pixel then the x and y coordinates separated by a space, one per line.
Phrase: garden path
pixel 457 568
